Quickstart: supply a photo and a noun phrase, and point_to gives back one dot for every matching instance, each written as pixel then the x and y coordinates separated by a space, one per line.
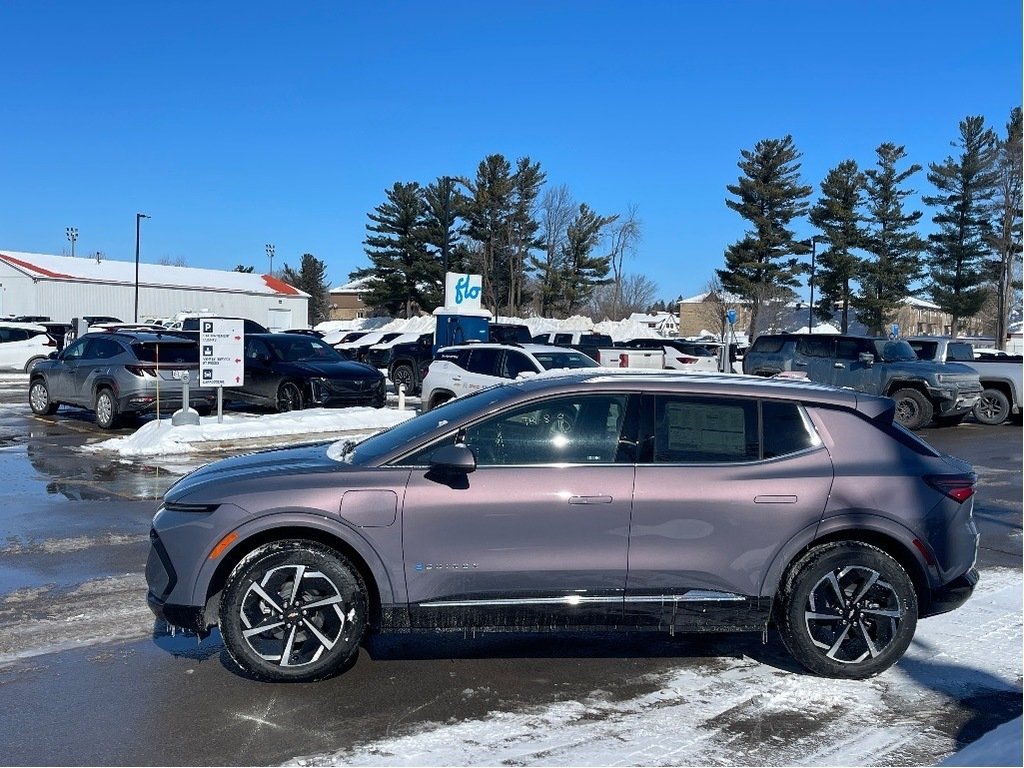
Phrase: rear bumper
pixel 952 595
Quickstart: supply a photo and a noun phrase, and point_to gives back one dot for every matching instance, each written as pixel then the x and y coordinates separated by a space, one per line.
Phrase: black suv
pixel 922 390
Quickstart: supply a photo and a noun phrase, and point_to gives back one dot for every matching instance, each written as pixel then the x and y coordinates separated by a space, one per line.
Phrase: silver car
pixel 628 501
pixel 119 374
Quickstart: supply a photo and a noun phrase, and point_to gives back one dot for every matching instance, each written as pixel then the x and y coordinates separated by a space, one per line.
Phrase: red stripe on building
pixel 33 267
pixel 280 286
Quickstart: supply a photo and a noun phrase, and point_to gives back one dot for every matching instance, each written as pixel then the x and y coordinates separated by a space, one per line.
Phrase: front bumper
pixel 326 392
pixel 954 402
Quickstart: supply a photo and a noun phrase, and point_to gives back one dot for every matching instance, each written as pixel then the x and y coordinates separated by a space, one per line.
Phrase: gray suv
pixel 590 499
pixel 923 390
pixel 117 374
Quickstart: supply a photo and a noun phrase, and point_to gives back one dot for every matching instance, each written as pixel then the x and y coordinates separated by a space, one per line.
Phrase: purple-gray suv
pixel 585 500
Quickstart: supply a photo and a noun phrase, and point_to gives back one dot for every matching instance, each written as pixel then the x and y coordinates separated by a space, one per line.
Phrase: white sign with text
pixel 221 348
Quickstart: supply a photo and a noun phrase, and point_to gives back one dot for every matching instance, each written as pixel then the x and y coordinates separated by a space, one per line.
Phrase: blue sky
pixel 235 125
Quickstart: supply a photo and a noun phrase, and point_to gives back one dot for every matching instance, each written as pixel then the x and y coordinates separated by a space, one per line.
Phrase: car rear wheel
pixel 847 610
pixel 993 407
pixel 913 409
pixel 106 409
pixel 289 397
pixel 293 611
pixel 39 398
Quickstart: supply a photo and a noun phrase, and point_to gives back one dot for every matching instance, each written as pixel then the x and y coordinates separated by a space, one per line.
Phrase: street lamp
pixel 138 218
pixel 72 233
pixel 270 255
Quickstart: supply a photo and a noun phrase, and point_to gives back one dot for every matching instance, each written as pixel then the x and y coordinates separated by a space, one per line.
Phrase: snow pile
pixel 159 438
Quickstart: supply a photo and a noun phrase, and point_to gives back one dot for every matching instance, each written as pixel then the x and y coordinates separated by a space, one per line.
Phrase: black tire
pixel 39 398
pixel 314 624
pixel 993 407
pixel 439 399
pixel 847 610
pixel 289 397
pixel 913 409
pixel 107 415
pixel 403 373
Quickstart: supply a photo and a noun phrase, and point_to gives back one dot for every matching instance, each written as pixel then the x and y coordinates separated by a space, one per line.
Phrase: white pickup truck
pixel 1002 378
pixel 631 358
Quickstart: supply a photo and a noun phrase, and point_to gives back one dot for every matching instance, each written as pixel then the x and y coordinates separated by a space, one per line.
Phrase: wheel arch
pixel 897 384
pixel 369 566
pixel 887 542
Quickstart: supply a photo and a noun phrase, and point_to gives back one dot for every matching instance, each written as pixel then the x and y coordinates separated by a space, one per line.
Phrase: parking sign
pixel 221 347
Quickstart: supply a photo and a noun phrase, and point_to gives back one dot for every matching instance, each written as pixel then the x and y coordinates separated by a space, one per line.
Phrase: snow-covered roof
pixel 913 301
pixel 362 285
pixel 43 266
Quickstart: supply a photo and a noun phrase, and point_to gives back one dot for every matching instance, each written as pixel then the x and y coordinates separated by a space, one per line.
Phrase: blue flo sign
pixel 462 291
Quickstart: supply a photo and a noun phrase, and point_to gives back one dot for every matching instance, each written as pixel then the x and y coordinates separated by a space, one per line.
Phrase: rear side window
pixel 960 351
pixel 770 344
pixel 483 361
pixel 785 430
pixel 14 334
pixel 103 349
pixel 563 338
pixel 705 430
pixel 691 430
pixel 815 346
pixel 168 352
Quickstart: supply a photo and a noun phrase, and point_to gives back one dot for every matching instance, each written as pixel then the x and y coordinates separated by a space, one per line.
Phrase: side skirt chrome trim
pixel 693 596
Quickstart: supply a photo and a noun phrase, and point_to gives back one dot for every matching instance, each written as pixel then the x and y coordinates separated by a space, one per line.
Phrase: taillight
pixel 140 370
pixel 423 371
pixel 686 360
pixel 957 487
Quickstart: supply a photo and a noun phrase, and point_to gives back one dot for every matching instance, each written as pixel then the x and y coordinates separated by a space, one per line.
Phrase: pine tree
pixel 582 270
pixel 488 213
pixel 891 242
pixel 523 230
pixel 966 187
pixel 243 268
pixel 311 278
pixel 403 269
pixel 1006 222
pixel 836 216
pixel 769 196
pixel 441 233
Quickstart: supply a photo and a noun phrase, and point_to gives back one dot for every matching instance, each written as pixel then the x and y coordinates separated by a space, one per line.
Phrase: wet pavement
pixel 88 678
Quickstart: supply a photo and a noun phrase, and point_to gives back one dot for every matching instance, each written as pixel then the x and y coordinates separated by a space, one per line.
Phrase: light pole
pixel 72 233
pixel 270 255
pixel 138 218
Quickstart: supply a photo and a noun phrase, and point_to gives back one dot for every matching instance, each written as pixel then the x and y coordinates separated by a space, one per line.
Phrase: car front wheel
pixel 847 610
pixel 289 397
pixel 39 399
pixel 993 407
pixel 293 611
pixel 913 409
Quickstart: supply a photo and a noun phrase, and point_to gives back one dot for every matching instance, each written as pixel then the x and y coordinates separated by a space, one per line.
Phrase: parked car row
pixel 131 372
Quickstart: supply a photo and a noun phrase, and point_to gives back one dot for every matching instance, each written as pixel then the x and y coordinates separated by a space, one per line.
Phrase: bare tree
pixel 711 311
pixel 631 293
pixel 624 238
pixel 557 210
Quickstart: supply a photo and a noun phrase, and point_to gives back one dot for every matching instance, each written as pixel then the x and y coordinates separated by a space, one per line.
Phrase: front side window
pixel 517 363
pixel 76 350
pixel 851 349
pixel 580 429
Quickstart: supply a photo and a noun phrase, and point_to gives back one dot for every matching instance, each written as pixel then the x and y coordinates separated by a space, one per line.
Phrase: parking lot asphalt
pixel 87 676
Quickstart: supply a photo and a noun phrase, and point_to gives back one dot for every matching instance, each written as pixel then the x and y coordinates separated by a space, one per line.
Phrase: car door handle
pixel 838 365
pixel 798 363
pixel 590 499
pixel 775 498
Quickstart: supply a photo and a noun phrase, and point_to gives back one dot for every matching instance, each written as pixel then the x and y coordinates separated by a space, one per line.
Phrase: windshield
pixel 300 349
pixel 409 432
pixel 894 351
pixel 564 359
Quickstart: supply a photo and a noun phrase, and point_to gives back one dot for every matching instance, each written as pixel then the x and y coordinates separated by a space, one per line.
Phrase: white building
pixel 63 288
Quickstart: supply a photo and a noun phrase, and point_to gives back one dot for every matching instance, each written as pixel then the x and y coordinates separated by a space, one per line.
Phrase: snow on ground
pixel 743 712
pixel 159 438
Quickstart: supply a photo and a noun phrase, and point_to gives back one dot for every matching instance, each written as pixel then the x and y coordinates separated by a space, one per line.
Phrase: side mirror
pixel 453 460
pixel 867 358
